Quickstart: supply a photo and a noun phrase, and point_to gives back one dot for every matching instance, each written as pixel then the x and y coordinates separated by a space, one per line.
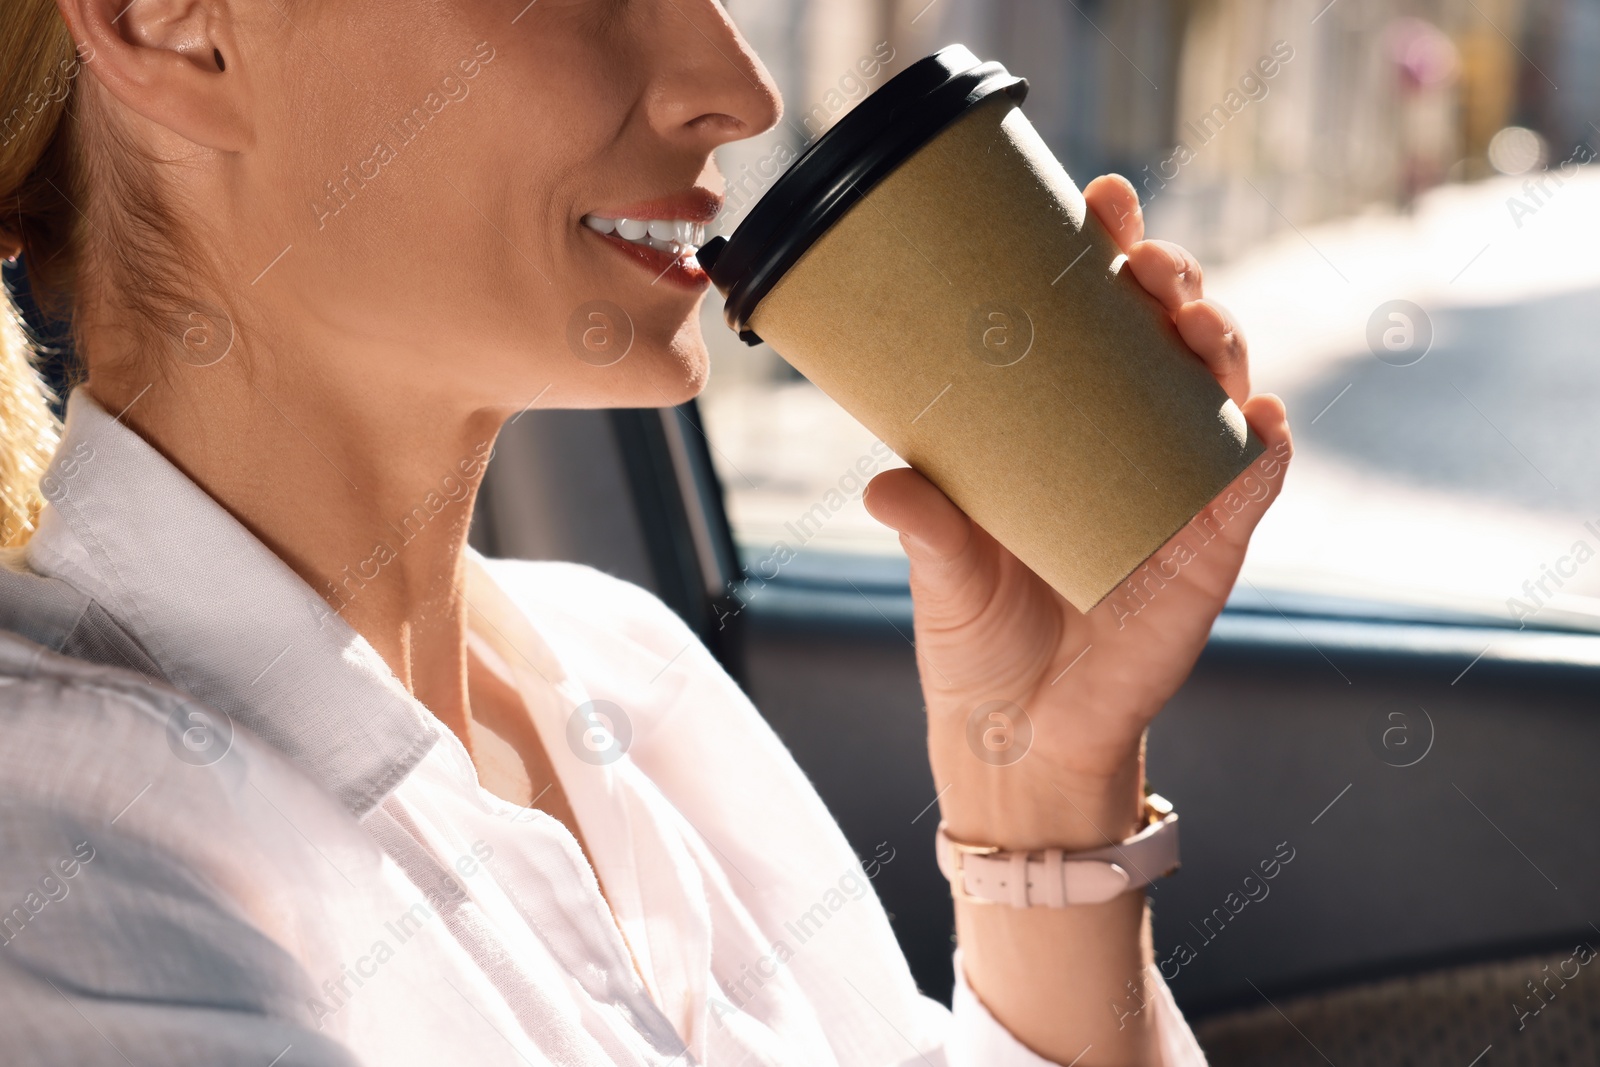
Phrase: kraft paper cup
pixel 930 265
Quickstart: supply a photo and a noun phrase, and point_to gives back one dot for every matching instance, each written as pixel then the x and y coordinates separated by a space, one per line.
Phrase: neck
pixel 365 490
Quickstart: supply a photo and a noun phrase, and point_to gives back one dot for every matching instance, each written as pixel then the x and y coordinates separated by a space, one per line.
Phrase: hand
pixel 989 629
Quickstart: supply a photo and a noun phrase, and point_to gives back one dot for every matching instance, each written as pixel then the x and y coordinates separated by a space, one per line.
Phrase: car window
pixel 1392 207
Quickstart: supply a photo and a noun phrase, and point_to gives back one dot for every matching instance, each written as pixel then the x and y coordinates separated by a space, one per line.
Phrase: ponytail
pixel 38 67
pixel 28 431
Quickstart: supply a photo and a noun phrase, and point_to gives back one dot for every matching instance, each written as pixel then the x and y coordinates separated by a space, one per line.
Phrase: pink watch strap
pixel 1052 878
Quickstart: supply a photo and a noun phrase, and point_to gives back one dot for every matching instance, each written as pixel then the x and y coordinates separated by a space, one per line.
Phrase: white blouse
pixel 273 855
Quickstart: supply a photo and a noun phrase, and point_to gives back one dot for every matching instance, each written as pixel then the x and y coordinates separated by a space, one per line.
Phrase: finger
pixel 1116 204
pixel 1270 422
pixel 1231 518
pixel 1167 271
pixel 931 527
pixel 1212 334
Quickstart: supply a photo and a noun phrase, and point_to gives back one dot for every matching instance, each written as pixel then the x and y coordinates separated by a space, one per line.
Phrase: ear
pixel 175 62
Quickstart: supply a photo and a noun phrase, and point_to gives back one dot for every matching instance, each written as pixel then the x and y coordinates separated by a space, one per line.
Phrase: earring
pixel 216 53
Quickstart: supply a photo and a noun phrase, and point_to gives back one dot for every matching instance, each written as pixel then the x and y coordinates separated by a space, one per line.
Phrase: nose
pixel 710 88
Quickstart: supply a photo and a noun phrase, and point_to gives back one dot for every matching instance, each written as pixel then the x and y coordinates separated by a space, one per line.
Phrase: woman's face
pixel 441 171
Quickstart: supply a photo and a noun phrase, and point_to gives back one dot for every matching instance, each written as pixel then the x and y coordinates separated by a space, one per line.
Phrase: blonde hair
pixel 37 67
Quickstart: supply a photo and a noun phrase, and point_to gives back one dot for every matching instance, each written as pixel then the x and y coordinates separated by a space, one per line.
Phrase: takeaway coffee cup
pixel 929 264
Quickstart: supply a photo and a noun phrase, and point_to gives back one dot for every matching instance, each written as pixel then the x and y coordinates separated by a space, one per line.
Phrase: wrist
pixel 1042 809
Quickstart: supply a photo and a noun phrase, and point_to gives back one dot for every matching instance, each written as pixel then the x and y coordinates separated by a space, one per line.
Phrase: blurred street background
pixel 1402 216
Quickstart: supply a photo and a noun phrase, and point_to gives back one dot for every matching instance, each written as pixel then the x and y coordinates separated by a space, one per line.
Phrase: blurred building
pixel 1368 103
pixel 1282 141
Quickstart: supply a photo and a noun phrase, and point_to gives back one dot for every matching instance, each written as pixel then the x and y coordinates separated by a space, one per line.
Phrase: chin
pixel 677 368
pixel 652 376
pixel 684 372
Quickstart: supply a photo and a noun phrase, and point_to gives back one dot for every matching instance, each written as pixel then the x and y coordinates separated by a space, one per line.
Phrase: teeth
pixel 674 236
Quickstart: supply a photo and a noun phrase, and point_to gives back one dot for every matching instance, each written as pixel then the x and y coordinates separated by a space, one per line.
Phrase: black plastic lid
pixel 838 169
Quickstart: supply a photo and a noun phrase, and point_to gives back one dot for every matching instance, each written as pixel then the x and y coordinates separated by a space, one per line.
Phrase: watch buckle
pixel 959 853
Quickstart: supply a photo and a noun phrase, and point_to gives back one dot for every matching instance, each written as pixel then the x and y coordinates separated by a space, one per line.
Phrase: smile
pixel 665 247
pixel 676 237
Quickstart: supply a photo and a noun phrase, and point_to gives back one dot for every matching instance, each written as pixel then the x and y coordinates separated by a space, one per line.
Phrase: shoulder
pixel 142 856
pixel 133 763
pixel 70 709
pixel 84 742
pixel 39 608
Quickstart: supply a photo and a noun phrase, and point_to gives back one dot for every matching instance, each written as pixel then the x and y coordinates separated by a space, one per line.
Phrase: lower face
pixel 522 249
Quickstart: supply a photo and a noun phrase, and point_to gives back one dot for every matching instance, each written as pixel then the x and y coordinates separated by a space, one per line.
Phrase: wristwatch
pixel 1054 878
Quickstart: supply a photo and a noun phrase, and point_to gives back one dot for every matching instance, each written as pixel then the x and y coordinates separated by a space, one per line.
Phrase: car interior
pixel 1431 882
pixel 1398 712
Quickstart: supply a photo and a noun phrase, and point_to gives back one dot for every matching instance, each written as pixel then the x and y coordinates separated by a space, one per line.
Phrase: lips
pixel 695 204
pixel 680 269
pixel 661 235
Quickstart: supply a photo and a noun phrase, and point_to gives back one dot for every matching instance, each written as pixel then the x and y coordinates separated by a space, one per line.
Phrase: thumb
pixel 952 570
pixel 932 529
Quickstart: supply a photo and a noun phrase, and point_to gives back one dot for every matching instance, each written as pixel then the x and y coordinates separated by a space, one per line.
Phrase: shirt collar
pixel 225 619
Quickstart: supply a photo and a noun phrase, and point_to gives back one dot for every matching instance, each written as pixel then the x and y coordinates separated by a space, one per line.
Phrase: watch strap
pixel 1054 878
